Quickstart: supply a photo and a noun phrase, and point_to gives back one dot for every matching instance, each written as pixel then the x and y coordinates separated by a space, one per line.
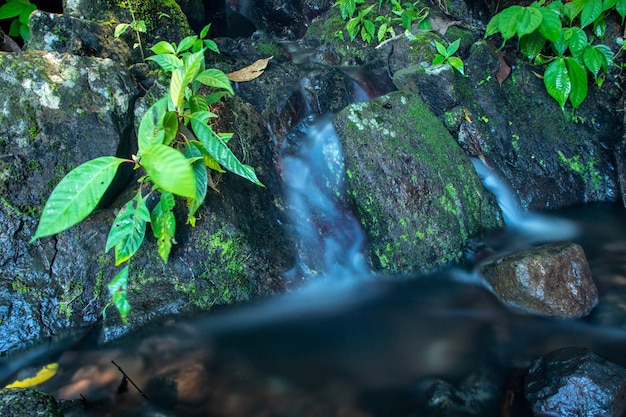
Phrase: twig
pixel 130 380
pixel 386 41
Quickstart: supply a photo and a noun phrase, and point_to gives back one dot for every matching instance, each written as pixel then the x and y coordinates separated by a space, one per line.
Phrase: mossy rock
pixel 20 402
pixel 415 192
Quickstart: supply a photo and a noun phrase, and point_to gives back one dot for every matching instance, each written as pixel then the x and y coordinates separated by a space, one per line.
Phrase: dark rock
pixel 415 193
pixel 66 34
pixel 551 158
pixel 574 382
pixel 20 402
pixel 552 279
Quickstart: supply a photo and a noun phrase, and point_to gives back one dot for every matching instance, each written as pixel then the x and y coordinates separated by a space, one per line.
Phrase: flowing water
pixel 350 344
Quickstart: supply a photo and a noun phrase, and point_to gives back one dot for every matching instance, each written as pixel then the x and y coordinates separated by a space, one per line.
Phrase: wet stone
pixel 552 280
pixel 576 382
pixel 19 402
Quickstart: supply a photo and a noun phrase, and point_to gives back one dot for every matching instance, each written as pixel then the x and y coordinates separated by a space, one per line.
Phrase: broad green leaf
pixel 170 126
pixel 77 195
pixel 211 46
pixel 197 103
pixel 453 47
pixel 202 180
pixel 183 76
pixel 26 12
pixel 11 9
pixel 169 170
pixel 353 28
pixel 169 62
pixel 138 26
pixel 493 26
pixel 590 12
pixel 151 130
pixel 457 64
pixel 439 59
pixel 608 55
pixel 608 4
pixel 215 78
pixel 531 45
pixel 129 229
pixel 164 224
pixel 599 27
pixel 620 6
pixel 209 161
pixel 203 116
pixel 508 21
pixel 205 31
pixel 217 148
pixel 215 97
pixel 163 47
pixel 25 32
pixel 578 41
pixel 593 60
pixel 573 8
pixel 120 29
pixel 528 21
pixel 440 48
pixel 550 26
pixel 118 288
pixel 578 80
pixel 186 43
pixel 16 28
pixel 557 82
pixel 369 27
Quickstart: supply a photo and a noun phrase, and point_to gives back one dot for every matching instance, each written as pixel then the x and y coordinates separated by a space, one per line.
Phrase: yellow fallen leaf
pixel 250 72
pixel 42 375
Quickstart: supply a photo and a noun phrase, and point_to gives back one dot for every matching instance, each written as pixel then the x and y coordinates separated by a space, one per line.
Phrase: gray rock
pixel 552 279
pixel 573 382
pixel 21 402
pixel 415 192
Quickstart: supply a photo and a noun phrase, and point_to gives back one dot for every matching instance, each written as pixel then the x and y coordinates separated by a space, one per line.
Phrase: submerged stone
pixel 21 402
pixel 573 382
pixel 414 191
pixel 552 279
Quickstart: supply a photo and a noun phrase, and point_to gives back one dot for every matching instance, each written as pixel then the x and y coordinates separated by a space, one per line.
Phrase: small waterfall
pixel 330 238
pixel 532 227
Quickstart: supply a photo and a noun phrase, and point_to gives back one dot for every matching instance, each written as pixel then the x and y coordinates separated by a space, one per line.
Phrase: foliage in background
pixel 21 10
pixel 563 36
pixel 177 150
pixel 379 19
pixel 138 26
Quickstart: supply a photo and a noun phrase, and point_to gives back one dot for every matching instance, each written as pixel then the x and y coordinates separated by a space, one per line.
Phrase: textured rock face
pixel 18 402
pixel 553 280
pixel 574 382
pixel 416 194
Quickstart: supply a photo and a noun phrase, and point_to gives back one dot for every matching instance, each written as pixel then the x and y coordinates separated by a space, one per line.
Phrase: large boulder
pixel 415 192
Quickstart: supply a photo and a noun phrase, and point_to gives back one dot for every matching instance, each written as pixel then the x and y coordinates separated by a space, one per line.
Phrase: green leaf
pixel 217 148
pixel 26 12
pixel 208 160
pixel 197 103
pixel 138 26
pixel 11 9
pixel 620 6
pixel 151 130
pixel 457 64
pixel 169 62
pixel 557 82
pixel 590 12
pixel 211 46
pixel 120 29
pixel 550 26
pixel 202 180
pixel 441 49
pixel 205 31
pixel 77 195
pixel 183 76
pixel 15 28
pixel 170 126
pixel 593 60
pixel 186 43
pixel 578 80
pixel 215 78
pixel 118 288
pixel 169 170
pixel 369 27
pixel 532 45
pixel 578 41
pixel 508 21
pixel 439 59
pixel 164 224
pixel 528 21
pixel 493 26
pixel 353 28
pixel 453 47
pixel 215 97
pixel 129 229
pixel 163 47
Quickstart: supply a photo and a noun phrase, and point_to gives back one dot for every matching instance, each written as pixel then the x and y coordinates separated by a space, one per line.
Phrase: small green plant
pixel 138 26
pixel 445 56
pixel 177 150
pixel 21 10
pixel 389 16
pixel 563 36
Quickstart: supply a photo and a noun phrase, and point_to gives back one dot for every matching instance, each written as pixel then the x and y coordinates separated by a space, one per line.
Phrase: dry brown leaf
pixel 250 72
pixel 441 24
pixel 504 70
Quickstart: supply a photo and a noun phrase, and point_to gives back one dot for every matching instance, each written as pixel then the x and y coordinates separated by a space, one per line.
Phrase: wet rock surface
pixel 552 279
pixel 576 382
pixel 416 195
pixel 19 402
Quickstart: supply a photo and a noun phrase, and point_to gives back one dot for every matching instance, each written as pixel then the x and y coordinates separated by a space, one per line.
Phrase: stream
pixel 347 342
